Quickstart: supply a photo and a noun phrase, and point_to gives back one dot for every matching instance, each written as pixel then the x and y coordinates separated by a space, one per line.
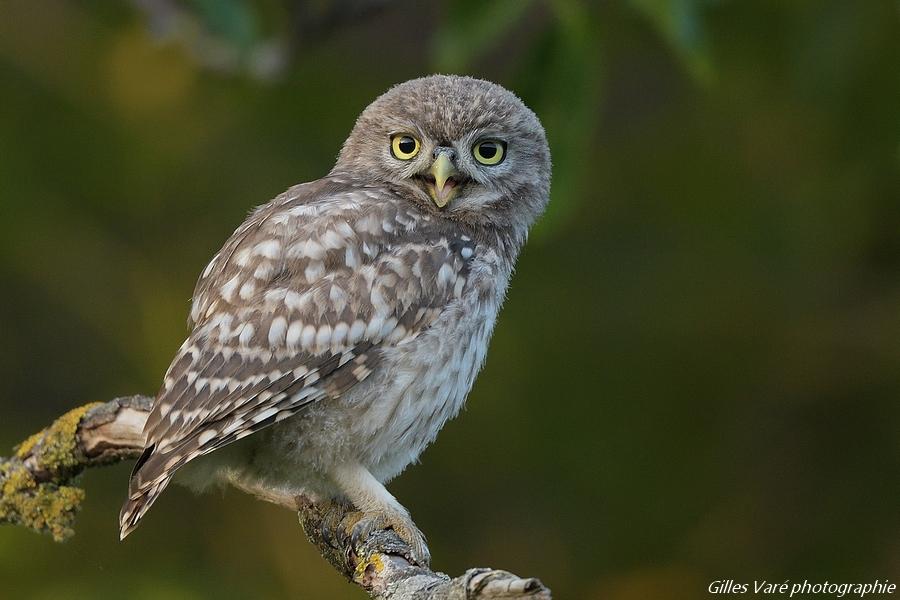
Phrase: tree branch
pixel 38 490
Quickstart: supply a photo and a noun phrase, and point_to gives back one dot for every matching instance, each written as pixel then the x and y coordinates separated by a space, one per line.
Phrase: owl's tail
pixel 141 496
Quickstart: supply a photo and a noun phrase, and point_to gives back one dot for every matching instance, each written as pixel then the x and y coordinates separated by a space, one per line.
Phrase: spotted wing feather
pixel 297 306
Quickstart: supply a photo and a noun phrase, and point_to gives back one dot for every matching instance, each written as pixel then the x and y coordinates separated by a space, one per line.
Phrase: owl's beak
pixel 445 185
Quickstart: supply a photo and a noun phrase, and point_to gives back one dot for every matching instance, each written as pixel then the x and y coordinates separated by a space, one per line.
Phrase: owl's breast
pixel 425 382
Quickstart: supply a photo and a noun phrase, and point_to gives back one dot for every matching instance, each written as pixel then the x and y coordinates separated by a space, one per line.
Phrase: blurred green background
pixel 696 375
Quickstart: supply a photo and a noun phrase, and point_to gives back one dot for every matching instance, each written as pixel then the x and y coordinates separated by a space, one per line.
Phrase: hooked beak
pixel 443 186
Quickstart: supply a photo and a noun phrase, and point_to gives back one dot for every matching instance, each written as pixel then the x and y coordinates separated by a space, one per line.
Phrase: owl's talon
pixel 402 525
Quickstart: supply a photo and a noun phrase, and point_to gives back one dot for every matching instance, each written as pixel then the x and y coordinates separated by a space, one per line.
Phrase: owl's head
pixel 463 148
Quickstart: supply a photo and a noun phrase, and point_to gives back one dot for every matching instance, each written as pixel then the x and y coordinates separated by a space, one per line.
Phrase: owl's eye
pixel 404 147
pixel 489 152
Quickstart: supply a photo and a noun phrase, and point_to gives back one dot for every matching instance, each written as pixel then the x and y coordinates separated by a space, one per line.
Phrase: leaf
pixel 233 21
pixel 680 23
pixel 567 91
pixel 471 28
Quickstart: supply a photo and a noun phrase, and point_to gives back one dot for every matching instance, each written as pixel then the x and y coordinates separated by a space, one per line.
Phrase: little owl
pixel 344 322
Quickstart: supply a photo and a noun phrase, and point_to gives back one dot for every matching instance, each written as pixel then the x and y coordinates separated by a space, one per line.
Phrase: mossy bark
pixel 46 506
pixel 39 483
pixel 382 566
pixel 38 490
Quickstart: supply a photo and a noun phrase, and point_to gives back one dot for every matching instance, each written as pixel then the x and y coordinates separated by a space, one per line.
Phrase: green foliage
pixel 682 25
pixel 568 86
pixel 234 20
pixel 473 29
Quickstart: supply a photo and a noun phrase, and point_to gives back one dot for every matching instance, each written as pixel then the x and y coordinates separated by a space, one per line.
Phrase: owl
pixel 344 322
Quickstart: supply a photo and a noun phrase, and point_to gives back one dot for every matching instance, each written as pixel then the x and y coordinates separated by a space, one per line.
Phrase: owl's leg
pixel 380 510
pixel 283 498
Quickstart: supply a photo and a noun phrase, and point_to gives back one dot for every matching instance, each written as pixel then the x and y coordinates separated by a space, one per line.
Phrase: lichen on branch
pixel 40 498
pixel 38 490
pixel 43 507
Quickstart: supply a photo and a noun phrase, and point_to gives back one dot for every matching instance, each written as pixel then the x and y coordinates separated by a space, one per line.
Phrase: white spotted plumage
pixel 300 317
pixel 344 322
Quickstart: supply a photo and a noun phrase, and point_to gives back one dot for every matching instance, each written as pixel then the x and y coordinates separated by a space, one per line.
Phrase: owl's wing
pixel 297 306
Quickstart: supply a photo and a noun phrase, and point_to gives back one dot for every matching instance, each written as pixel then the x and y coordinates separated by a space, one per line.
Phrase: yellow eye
pixel 489 152
pixel 404 147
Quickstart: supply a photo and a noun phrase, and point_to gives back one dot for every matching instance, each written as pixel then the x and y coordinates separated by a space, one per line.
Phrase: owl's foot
pixel 378 510
pixel 401 523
